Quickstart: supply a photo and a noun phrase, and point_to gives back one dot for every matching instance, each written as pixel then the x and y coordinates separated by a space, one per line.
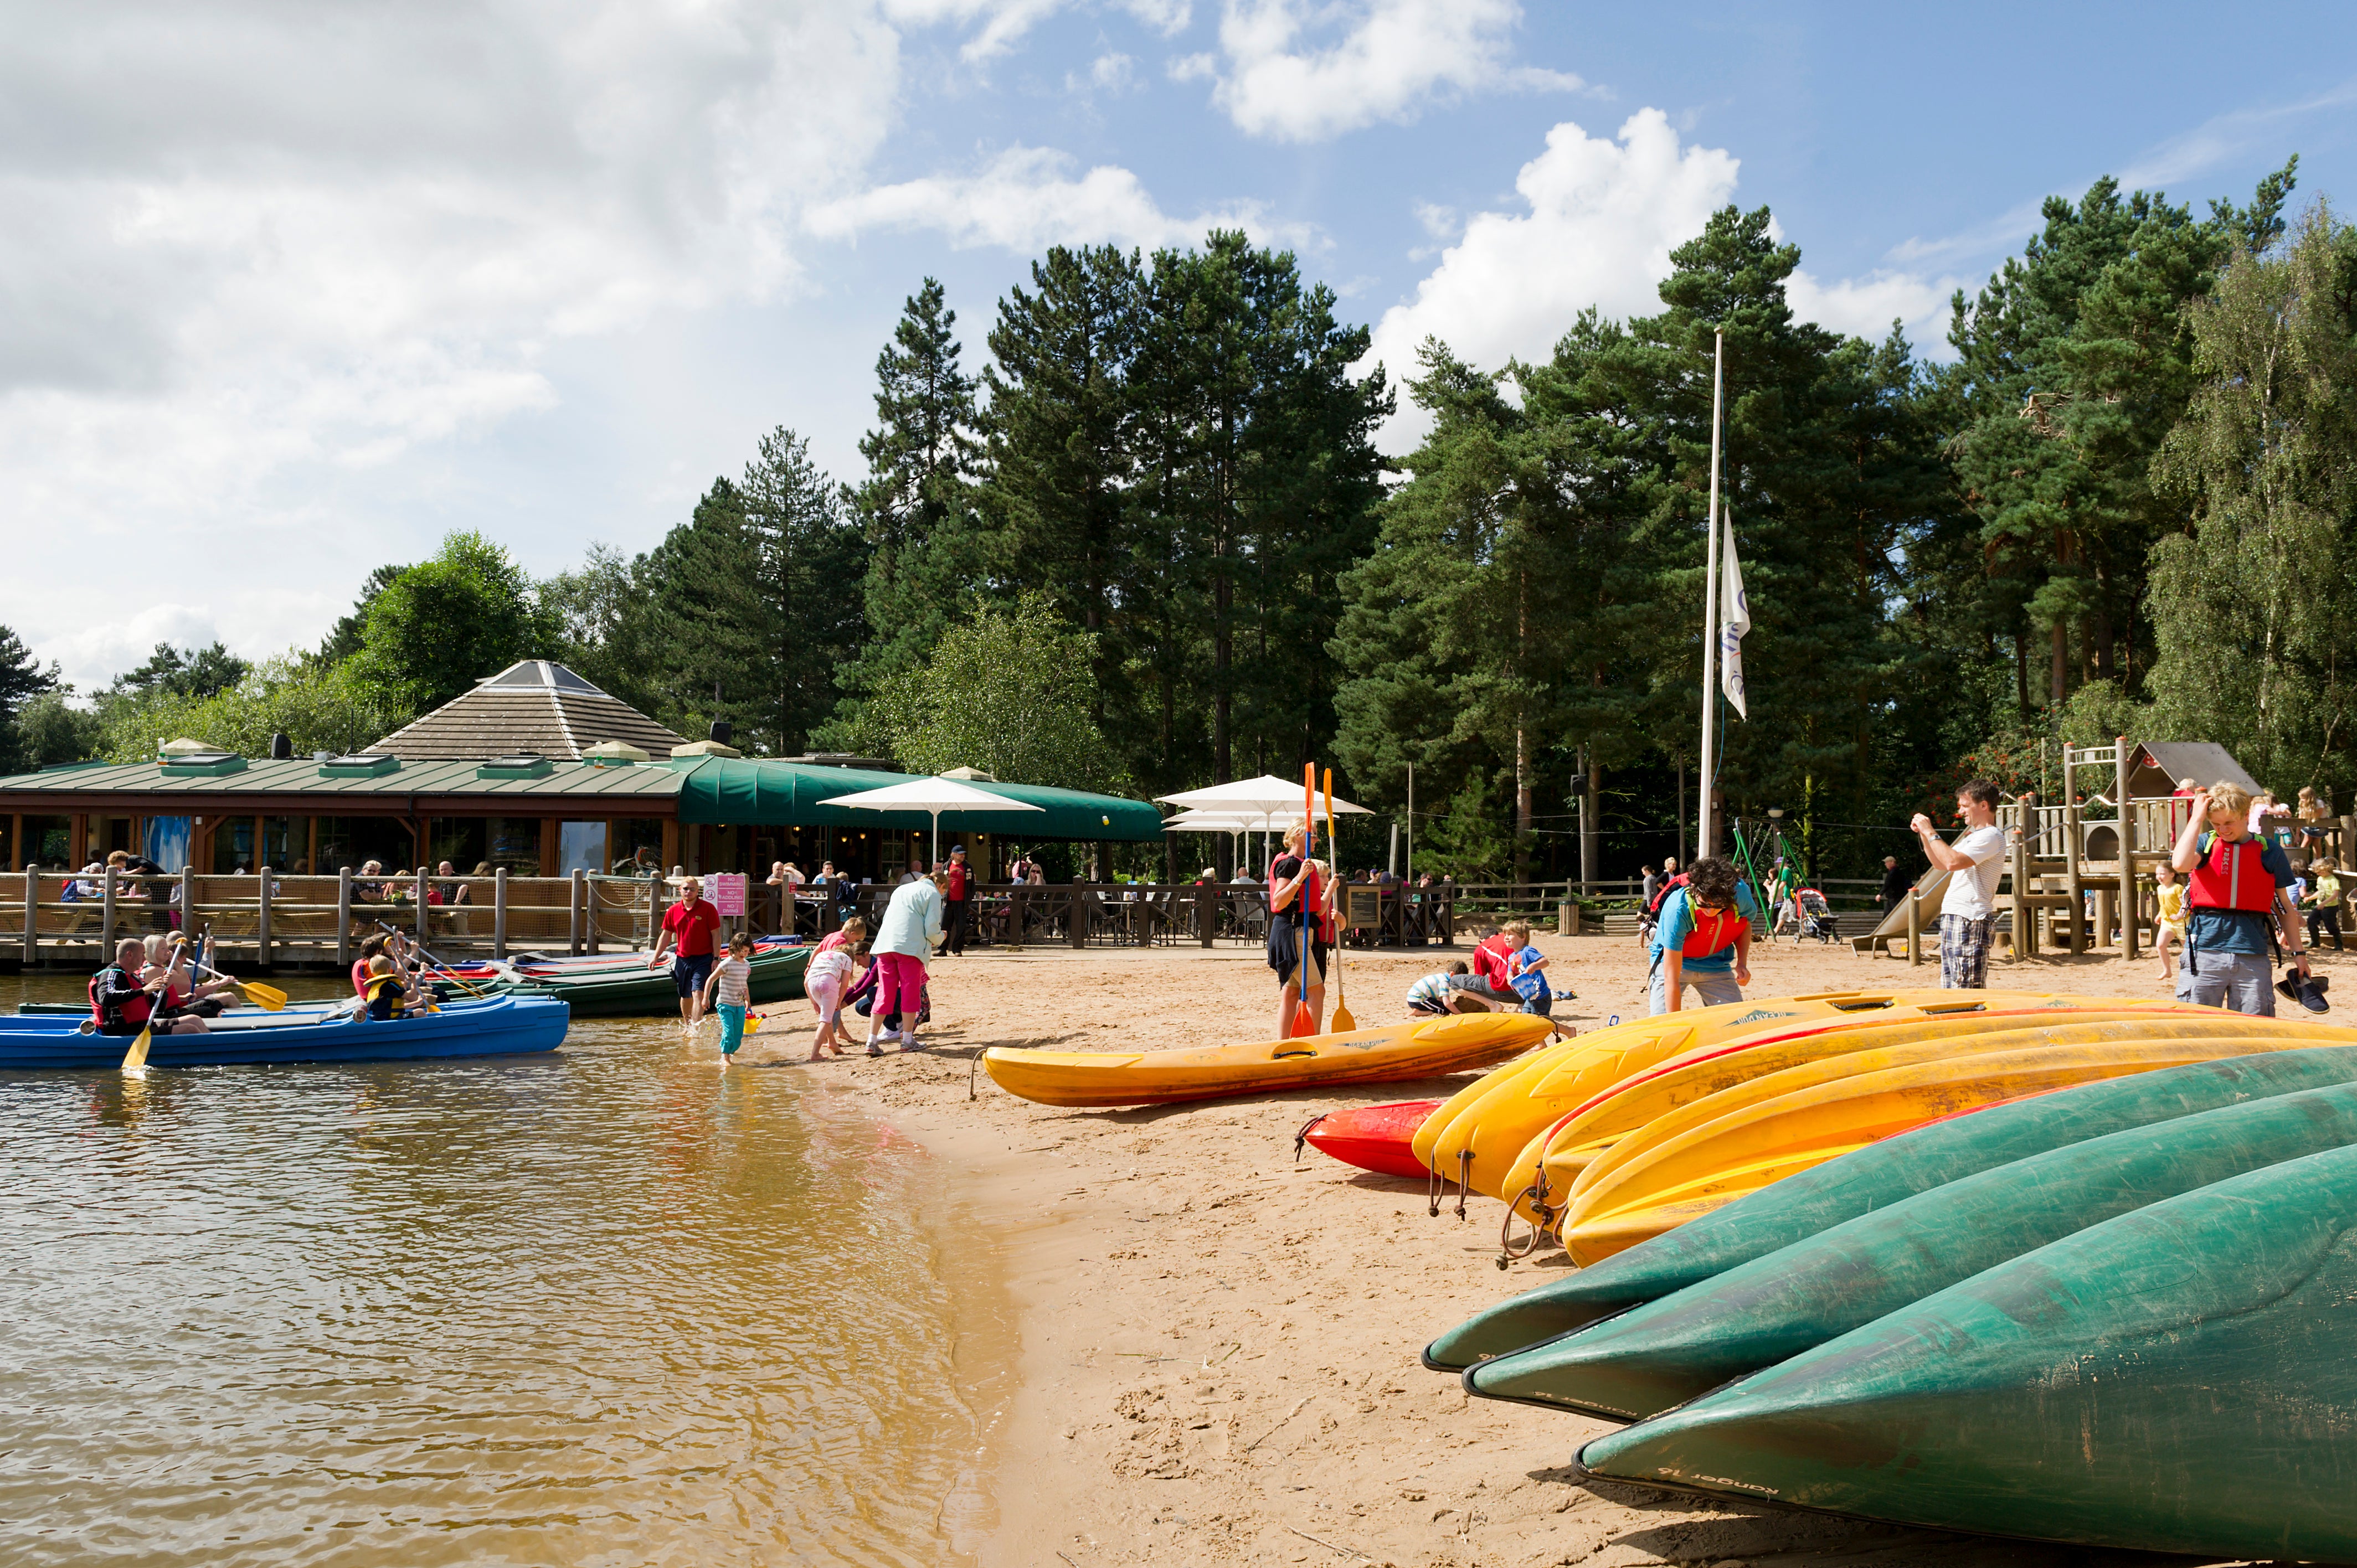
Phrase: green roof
pixel 707 790
pixel 726 790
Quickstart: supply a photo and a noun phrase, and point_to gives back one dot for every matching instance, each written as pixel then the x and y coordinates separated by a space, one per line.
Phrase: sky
pixel 288 292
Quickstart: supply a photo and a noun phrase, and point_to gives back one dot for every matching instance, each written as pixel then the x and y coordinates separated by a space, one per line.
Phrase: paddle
pixel 134 1061
pixel 269 998
pixel 439 966
pixel 1302 1021
pixel 1343 1022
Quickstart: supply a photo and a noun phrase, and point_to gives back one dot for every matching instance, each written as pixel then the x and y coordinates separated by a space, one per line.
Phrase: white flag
pixel 1735 619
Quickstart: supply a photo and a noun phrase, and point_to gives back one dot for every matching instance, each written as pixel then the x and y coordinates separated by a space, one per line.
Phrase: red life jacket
pixel 1711 933
pixel 2232 877
pixel 131 1011
pixel 1490 960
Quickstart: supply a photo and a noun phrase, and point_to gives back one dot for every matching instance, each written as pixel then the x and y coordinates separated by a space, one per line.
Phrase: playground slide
pixel 1930 884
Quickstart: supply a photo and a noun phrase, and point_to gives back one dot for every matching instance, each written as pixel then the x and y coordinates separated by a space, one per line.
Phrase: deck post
pixel 32 914
pixel 579 892
pixel 262 919
pixel 188 899
pixel 1078 920
pixel 499 913
pixel 106 917
pixel 2025 937
pixel 1207 910
pixel 344 918
pixel 418 897
pixel 2129 933
pixel 589 908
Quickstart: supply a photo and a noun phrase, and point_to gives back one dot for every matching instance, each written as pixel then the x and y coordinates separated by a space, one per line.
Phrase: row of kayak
pixel 494 1026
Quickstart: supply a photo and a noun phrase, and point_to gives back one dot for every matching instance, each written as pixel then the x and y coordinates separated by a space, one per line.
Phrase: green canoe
pixel 2180 1378
pixel 636 990
pixel 1874 1178
pixel 1682 1346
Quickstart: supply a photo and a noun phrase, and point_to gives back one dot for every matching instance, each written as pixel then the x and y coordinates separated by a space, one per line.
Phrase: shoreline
pixel 1215 1356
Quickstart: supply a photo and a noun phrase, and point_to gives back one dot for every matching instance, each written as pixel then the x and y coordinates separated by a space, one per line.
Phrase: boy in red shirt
pixel 960 888
pixel 688 929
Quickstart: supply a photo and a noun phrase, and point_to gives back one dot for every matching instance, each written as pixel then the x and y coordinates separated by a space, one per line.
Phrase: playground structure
pixel 2079 874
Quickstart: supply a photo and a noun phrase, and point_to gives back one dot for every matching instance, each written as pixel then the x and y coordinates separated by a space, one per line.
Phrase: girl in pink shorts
pixel 830 974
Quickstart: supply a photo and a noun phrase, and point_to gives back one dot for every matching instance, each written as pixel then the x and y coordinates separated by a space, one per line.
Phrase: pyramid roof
pixel 534 705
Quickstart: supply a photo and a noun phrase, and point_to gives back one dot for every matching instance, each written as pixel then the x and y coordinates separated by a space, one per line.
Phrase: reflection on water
pixel 611 1306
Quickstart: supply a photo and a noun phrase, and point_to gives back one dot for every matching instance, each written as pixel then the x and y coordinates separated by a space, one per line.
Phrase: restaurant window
pixel 285 841
pixel 232 845
pixel 356 841
pixel 514 844
pixel 464 842
pixel 580 846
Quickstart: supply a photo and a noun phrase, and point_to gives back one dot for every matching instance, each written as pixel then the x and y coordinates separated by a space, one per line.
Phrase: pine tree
pixel 810 553
pixel 923 551
pixel 713 630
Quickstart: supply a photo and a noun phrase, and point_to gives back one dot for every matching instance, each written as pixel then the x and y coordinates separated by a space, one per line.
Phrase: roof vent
pixel 282 749
pixel 520 765
pixel 202 764
pixel 362 766
pixel 184 746
pixel 614 754
pixel 695 748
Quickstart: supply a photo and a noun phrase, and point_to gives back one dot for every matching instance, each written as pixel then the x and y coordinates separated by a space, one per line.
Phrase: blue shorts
pixel 689 973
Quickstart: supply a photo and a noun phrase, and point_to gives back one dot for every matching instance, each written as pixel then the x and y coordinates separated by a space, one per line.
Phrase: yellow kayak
pixel 1411 1049
pixel 1667 1035
pixel 1563 1151
pixel 1647 1184
pixel 1484 1147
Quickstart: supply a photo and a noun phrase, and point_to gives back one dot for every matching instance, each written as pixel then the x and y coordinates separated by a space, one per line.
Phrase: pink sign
pixel 728 893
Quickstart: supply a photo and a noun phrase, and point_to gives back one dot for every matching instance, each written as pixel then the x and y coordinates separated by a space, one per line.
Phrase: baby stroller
pixel 1815 916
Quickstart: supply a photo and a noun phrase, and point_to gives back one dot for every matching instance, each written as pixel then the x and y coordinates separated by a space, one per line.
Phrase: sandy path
pixel 1218 1346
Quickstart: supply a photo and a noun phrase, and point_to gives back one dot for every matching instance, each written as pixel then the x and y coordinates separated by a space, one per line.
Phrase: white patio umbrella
pixel 932 797
pixel 1264 801
pixel 1235 827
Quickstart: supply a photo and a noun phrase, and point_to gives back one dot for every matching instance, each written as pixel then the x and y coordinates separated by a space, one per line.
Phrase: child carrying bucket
pixel 728 992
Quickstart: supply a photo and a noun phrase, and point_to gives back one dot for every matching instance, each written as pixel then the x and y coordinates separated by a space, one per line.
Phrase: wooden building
pixel 536 772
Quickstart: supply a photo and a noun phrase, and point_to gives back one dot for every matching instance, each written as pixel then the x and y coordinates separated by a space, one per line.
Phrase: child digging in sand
pixel 831 973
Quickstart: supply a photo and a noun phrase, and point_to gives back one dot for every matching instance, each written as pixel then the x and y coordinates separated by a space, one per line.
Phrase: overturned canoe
pixel 1872 1178
pixel 1392 1054
pixel 636 990
pixel 2180 1378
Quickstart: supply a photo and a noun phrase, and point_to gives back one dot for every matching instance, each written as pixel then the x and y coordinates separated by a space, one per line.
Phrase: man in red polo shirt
pixel 688 927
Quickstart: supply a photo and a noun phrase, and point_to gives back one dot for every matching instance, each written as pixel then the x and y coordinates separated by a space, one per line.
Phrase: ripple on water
pixel 603 1307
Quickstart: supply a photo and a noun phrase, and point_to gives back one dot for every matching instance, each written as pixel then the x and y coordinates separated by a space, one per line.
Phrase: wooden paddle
pixel 1303 1023
pixel 134 1061
pixel 269 998
pixel 1343 1022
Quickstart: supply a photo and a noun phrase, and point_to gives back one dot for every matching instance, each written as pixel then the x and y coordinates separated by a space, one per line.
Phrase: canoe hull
pixel 642 992
pixel 1392 1054
pixel 1378 1138
pixel 502 1029
pixel 2180 1378
pixel 1872 1178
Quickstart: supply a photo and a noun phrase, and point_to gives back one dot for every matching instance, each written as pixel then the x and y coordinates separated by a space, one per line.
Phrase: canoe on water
pixel 633 989
pixel 1391 1054
pixel 1874 1179
pixel 502 1026
pixel 1379 1138
pixel 2182 1378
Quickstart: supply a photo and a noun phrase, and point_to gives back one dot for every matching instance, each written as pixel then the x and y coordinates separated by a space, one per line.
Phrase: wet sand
pixel 1218 1359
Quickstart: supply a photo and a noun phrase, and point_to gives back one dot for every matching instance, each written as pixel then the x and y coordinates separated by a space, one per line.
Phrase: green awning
pixel 729 792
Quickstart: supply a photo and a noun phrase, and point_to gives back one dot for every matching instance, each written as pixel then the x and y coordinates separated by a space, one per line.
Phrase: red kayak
pixel 1372 1138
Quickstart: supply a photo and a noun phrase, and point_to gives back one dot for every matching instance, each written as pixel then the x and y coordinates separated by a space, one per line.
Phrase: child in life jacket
pixel 388 992
pixel 2235 889
pixel 1703 939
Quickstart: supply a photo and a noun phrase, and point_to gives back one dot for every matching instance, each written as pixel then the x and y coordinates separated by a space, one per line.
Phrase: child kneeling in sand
pixel 1455 988
pixel 830 976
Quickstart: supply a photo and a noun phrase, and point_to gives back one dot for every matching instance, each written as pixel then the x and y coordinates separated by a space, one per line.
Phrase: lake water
pixel 606 1307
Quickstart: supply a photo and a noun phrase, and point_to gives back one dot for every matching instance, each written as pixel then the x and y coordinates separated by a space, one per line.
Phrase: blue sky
pixel 291 292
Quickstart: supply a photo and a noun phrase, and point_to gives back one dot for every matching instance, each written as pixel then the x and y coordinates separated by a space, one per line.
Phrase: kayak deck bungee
pixel 1692 1090
pixel 1646 1184
pixel 1680 1346
pixel 1872 1178
pixel 2180 1378
pixel 1393 1053
pixel 1376 1138
pixel 503 1026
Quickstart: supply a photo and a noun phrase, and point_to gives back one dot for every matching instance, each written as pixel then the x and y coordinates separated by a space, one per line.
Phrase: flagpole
pixel 1706 838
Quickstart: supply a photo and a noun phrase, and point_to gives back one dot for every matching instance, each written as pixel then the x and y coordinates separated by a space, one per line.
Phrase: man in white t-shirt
pixel 1973 863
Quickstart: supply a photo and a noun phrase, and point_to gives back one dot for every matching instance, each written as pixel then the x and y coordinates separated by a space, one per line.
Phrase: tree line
pixel 1150 545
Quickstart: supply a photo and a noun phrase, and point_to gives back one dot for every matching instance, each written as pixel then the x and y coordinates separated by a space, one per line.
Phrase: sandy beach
pixel 1218 1343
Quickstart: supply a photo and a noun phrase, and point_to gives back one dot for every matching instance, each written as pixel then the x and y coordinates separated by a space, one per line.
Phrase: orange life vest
pixel 2231 877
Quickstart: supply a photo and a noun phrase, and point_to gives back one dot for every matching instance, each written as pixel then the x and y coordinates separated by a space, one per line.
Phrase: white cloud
pixel 1107 74
pixel 1026 200
pixel 247 243
pixel 1006 23
pixel 1288 78
pixel 1602 218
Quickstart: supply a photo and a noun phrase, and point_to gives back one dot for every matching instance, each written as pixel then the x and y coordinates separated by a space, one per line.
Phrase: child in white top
pixel 831 972
pixel 728 992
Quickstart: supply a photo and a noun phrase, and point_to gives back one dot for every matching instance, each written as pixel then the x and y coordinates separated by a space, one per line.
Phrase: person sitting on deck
pixel 122 1003
pixel 388 992
pixel 1703 934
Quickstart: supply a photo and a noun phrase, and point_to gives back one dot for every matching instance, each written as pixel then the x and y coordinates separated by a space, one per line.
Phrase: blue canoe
pixel 503 1025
